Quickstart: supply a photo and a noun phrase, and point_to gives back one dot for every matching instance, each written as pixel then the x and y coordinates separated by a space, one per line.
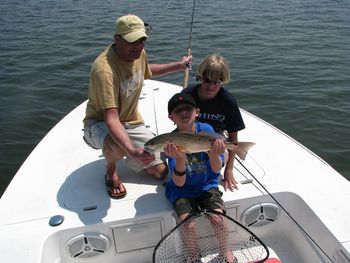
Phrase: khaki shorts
pixel 209 200
pixel 96 131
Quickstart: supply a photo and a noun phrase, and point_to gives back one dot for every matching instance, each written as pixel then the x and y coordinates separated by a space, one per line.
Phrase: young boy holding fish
pixel 194 177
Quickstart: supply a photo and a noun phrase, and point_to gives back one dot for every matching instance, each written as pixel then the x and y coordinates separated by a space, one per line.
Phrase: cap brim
pixel 134 36
pixel 181 102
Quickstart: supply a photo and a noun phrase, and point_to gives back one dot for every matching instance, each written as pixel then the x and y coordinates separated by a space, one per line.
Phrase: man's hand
pixel 142 156
pixel 186 61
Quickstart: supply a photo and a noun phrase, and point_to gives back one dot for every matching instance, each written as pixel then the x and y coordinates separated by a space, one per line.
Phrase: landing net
pixel 210 237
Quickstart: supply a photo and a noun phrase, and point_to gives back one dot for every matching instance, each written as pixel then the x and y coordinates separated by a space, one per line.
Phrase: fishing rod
pixel 189 51
pixel 285 210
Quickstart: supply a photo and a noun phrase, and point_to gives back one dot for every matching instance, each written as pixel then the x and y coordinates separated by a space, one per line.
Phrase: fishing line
pixel 155 111
pixel 285 210
pixel 189 47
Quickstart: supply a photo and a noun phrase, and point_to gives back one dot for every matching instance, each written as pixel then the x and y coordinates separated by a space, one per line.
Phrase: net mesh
pixel 210 237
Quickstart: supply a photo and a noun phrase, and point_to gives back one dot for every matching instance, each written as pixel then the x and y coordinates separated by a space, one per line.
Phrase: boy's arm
pixel 215 162
pixel 216 150
pixel 229 179
pixel 179 173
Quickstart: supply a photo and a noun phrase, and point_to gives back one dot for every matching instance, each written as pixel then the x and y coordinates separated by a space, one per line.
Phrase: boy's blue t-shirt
pixel 199 175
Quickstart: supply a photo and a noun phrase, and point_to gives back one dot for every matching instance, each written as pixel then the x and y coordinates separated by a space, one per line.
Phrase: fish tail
pixel 240 148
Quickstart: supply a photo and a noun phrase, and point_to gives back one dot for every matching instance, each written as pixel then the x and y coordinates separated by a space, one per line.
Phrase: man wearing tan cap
pixel 112 122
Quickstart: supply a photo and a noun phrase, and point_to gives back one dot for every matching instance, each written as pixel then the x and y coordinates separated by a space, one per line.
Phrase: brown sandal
pixel 114 189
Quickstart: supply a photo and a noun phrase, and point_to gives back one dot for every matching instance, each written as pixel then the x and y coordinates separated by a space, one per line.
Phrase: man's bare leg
pixel 113 153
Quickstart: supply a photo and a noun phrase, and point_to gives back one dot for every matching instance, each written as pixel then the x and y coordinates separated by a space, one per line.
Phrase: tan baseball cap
pixel 130 27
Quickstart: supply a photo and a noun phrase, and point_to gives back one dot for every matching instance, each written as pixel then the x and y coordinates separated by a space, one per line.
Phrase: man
pixel 112 122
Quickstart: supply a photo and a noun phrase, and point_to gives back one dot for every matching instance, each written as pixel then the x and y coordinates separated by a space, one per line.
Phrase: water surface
pixel 289 61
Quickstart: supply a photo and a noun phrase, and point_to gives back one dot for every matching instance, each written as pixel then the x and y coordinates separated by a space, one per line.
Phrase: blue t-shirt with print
pixel 199 175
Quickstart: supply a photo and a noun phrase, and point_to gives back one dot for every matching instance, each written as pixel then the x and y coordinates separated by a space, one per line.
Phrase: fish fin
pixel 240 148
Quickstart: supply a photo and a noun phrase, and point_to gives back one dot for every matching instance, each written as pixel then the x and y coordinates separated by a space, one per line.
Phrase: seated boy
pixel 194 177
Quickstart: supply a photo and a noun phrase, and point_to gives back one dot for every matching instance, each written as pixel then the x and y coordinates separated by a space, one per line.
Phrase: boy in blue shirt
pixel 194 180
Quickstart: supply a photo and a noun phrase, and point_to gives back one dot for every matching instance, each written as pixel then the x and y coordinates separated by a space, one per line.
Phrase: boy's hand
pixel 170 149
pixel 217 148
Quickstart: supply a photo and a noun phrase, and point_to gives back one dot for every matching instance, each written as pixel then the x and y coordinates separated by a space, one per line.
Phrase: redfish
pixel 193 143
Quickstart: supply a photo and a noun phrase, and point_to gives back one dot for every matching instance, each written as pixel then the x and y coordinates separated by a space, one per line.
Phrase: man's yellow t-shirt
pixel 115 83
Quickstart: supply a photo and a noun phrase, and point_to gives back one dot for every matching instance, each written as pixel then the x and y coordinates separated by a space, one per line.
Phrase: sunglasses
pixel 212 82
pixel 148 28
pixel 139 41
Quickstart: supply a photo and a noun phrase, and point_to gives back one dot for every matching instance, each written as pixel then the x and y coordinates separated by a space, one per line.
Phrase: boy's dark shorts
pixel 209 200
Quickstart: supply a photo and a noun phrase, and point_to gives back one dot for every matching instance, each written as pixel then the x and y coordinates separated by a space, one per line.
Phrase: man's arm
pixel 120 136
pixel 117 131
pixel 163 69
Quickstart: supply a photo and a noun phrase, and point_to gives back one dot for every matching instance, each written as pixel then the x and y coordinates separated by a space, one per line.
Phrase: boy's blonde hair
pixel 215 68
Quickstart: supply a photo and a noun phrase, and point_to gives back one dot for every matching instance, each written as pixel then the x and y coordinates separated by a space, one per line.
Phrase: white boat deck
pixel 63 176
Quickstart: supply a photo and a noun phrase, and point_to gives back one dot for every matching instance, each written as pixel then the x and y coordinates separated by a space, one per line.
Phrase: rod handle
pixel 187 71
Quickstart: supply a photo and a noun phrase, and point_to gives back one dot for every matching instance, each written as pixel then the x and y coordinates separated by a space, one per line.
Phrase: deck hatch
pixel 139 235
